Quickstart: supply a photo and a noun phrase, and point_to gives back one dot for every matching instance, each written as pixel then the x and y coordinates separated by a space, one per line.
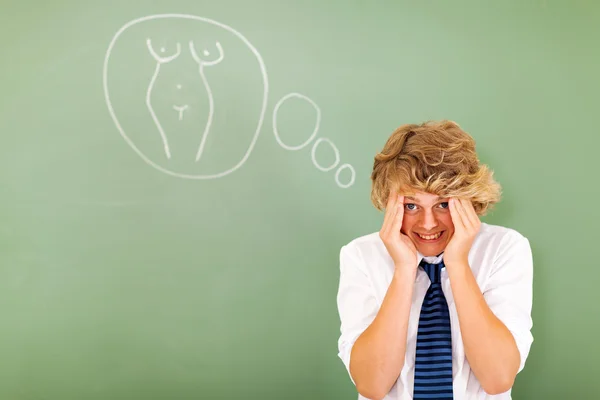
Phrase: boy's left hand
pixel 466 226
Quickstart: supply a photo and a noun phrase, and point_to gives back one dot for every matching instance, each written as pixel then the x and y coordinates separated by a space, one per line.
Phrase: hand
pixel 399 246
pixel 466 226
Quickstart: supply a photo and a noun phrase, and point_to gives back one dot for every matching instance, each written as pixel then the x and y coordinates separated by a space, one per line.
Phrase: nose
pixel 429 221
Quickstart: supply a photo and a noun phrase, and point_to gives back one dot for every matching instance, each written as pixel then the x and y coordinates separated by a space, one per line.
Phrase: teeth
pixel 432 237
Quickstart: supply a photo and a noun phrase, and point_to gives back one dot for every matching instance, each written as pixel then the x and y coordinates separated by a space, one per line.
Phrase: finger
pixel 469 213
pixel 455 214
pixel 390 210
pixel 462 213
pixel 397 222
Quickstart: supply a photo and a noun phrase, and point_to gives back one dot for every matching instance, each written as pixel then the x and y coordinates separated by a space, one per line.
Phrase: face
pixel 428 215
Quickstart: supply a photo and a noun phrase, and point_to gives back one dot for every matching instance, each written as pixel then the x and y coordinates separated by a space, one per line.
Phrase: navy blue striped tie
pixel 433 362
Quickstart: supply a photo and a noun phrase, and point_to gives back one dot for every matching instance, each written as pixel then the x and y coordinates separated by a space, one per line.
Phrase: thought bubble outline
pixel 276 128
pixel 263 71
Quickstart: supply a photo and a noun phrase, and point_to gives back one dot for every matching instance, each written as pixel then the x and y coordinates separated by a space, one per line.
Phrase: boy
pixel 436 304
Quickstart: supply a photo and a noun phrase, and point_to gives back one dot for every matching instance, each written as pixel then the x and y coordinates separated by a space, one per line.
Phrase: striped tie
pixel 433 362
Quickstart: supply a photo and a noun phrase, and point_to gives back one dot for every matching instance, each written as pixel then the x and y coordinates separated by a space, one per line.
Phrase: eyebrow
pixel 415 200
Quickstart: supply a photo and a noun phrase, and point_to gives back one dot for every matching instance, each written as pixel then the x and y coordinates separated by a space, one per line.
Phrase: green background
pixel 119 281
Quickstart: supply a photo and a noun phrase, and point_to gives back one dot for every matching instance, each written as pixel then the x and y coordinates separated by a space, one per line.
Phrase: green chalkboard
pixel 177 178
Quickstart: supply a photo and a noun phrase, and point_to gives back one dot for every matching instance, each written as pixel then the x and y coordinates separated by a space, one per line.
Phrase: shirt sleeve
pixel 509 291
pixel 357 305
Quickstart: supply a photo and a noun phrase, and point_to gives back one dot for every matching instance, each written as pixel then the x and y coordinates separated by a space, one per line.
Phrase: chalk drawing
pixel 312 136
pixel 201 63
pixel 211 103
pixel 276 129
pixel 335 151
pixel 181 109
pixel 159 62
pixel 337 176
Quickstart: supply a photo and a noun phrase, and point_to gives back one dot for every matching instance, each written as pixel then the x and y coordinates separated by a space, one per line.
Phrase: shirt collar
pixel 430 259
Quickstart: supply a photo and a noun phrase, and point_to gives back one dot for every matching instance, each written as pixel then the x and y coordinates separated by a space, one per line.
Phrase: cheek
pixel 447 221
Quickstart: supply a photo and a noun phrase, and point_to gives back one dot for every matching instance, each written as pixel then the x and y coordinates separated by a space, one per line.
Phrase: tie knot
pixel 433 270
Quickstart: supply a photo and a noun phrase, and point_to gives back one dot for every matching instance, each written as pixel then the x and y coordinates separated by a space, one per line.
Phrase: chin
pixel 431 253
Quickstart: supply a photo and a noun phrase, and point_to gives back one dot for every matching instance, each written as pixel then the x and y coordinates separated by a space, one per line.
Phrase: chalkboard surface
pixel 177 178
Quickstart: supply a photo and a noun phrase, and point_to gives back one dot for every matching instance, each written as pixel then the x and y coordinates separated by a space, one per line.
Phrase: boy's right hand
pixel 399 246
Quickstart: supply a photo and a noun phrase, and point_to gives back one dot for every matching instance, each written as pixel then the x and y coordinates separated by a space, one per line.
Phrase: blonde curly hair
pixel 435 157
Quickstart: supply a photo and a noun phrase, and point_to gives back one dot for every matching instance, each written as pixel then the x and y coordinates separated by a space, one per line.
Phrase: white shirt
pixel 502 264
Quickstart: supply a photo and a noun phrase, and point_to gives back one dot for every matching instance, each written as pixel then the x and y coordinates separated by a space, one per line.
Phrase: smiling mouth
pixel 180 109
pixel 430 238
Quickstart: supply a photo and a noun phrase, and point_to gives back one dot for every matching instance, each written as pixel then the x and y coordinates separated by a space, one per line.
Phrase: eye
pixel 445 203
pixel 410 204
